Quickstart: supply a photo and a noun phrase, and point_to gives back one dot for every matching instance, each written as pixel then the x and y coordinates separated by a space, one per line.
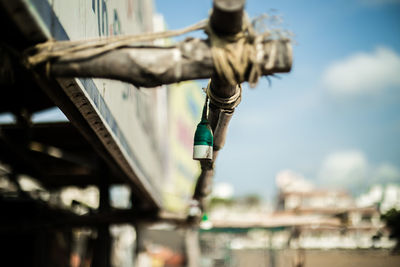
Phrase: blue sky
pixel 335 119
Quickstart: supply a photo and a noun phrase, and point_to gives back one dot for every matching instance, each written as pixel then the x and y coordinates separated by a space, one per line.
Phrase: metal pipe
pixel 226 19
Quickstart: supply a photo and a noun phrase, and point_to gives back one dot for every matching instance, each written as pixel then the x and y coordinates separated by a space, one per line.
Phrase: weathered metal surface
pixel 227 16
pixel 227 19
pixel 153 66
pixel 219 122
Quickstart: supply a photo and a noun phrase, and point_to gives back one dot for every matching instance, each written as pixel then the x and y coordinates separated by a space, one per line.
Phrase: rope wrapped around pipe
pixel 225 103
pixel 236 57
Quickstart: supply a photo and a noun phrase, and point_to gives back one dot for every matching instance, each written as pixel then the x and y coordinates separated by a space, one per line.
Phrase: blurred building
pixel 306 219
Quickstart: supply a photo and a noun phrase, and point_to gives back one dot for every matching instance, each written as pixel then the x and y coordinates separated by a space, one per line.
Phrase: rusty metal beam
pixel 152 66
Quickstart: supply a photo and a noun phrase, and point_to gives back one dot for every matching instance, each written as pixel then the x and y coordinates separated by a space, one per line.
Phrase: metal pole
pixel 226 19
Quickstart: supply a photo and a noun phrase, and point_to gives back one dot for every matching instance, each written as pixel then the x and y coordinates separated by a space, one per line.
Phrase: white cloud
pixel 386 173
pixel 344 169
pixel 290 181
pixel 223 190
pixel 350 169
pixel 364 73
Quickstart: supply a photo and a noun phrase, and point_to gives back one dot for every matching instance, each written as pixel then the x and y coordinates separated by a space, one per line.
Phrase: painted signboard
pixel 128 114
pixel 185 105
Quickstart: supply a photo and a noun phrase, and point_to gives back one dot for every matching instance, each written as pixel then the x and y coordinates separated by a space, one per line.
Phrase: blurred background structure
pixel 310 175
pixel 307 227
